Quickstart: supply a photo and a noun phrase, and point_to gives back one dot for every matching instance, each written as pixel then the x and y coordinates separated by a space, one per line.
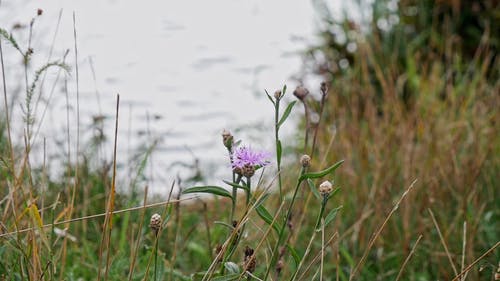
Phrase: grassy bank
pixel 400 181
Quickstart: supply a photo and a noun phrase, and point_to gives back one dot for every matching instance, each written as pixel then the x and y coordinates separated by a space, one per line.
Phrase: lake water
pixel 184 70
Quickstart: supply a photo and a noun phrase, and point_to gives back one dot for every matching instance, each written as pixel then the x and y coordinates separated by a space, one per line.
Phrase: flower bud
pixel 277 94
pixel 301 92
pixel 155 223
pixel 227 139
pixel 325 188
pixel 324 88
pixel 305 160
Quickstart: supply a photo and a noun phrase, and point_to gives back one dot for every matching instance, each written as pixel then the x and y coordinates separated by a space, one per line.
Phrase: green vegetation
pixel 406 129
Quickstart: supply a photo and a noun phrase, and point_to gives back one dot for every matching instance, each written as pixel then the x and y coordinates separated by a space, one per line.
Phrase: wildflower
pixel 246 160
pixel 325 188
pixel 301 92
pixel 305 160
pixel 155 223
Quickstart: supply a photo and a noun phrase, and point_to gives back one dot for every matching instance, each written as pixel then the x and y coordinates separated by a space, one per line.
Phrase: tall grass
pixel 412 113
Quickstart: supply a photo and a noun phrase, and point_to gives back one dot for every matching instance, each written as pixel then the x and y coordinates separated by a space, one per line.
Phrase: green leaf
pixel 295 254
pixel 333 193
pixel 232 268
pixel 215 190
pixel 228 277
pixel 313 188
pixel 236 185
pixel 266 216
pixel 331 215
pixel 287 112
pixel 270 98
pixel 284 90
pixel 262 199
pixel 323 173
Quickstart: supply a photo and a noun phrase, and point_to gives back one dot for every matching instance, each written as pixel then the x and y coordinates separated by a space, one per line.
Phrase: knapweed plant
pixel 275 242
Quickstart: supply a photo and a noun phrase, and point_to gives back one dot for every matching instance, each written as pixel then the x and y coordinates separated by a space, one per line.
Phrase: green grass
pixel 414 117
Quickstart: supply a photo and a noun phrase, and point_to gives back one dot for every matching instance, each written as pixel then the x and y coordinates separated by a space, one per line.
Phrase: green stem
pixel 281 236
pixel 156 256
pixel 234 245
pixel 276 139
pixel 235 194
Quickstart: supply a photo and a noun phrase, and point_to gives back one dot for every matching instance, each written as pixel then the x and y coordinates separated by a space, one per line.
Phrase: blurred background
pixel 184 71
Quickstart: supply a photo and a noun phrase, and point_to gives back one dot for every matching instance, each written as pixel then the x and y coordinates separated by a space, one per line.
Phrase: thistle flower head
pixel 245 157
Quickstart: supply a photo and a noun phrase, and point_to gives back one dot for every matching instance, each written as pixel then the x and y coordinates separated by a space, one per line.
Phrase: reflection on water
pixel 184 70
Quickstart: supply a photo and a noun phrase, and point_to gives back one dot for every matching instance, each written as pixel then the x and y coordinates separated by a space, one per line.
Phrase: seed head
pixel 305 160
pixel 39 12
pixel 301 93
pixel 325 188
pixel 155 223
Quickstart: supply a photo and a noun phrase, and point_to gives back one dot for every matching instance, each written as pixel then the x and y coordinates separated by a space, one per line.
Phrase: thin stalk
pixel 156 258
pixel 135 249
pixel 281 236
pixel 408 257
pixel 7 110
pixel 308 125
pixel 108 221
pixel 277 142
pixel 443 242
pixel 97 216
pixel 466 269
pixel 356 268
pixel 234 245
pixel 321 109
pixel 308 249
pixel 233 200
pixel 464 244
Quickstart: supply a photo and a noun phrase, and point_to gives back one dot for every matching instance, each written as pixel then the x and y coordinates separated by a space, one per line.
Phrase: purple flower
pixel 245 156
